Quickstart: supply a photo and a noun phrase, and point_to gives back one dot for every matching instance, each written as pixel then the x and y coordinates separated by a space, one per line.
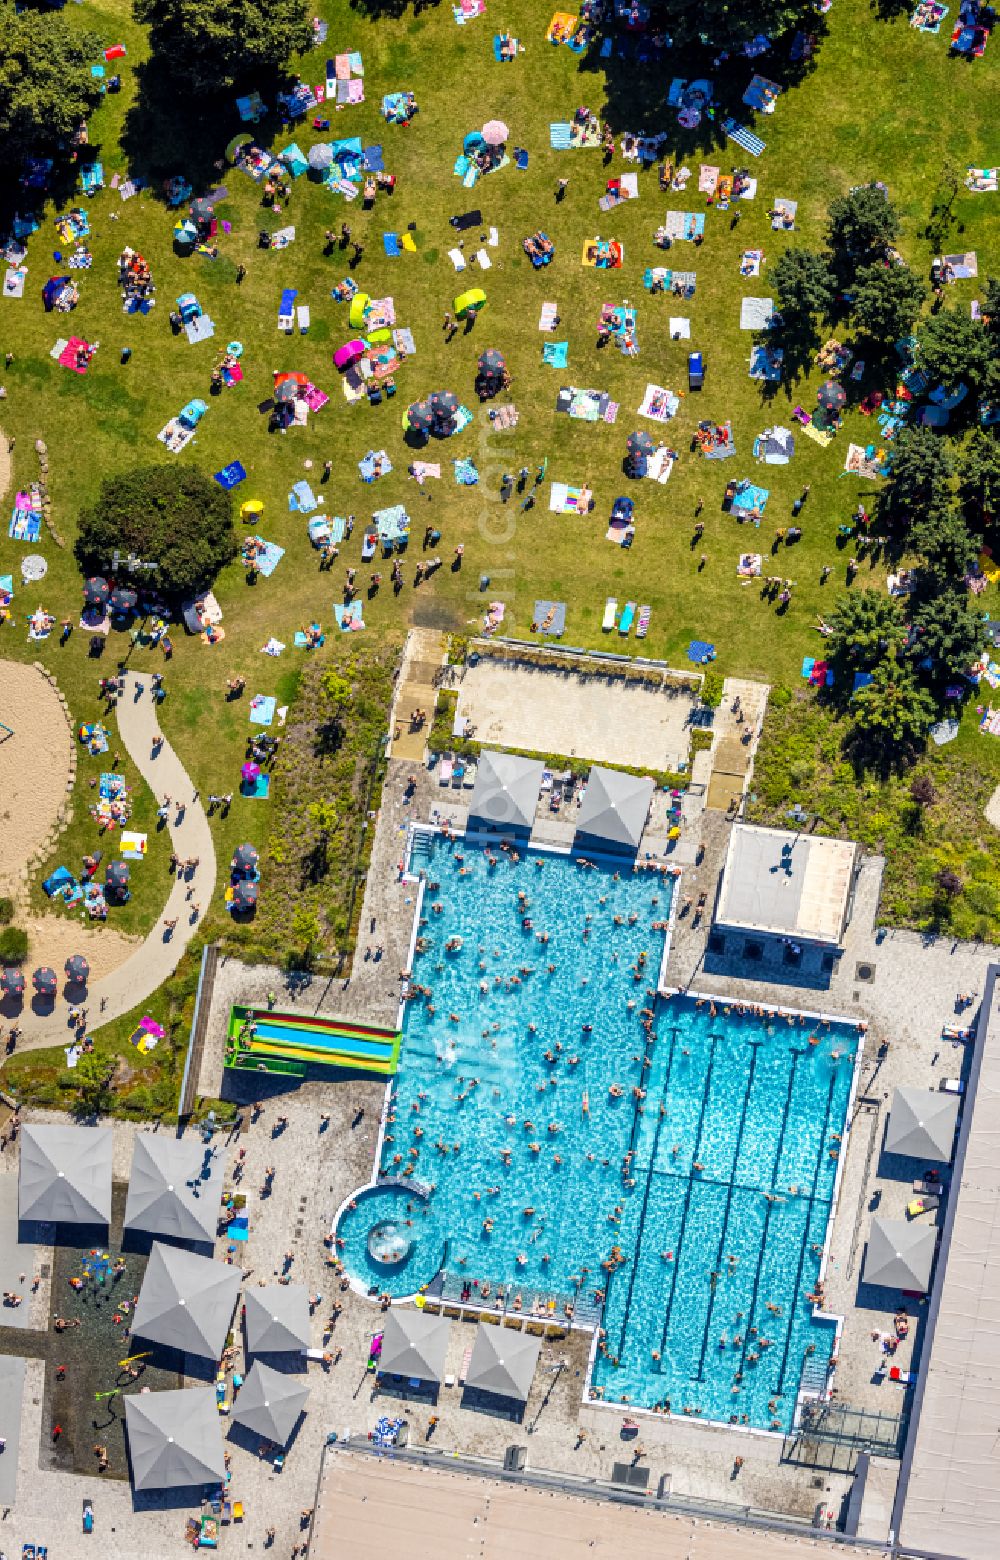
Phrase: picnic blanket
pixel 13 285
pixel 564 499
pixel 555 353
pixel 348 615
pixel 494 616
pixel 267 557
pixel 700 650
pixel 982 181
pixel 708 178
pixel 548 319
pixel 467 10
pixel 751 261
pixel 420 470
pixel 659 404
pixel 466 471
pixel 963 266
pixel 756 313
pixel 783 214
pixel 660 464
pixel 761 95
pixel 586 405
pixel 749 499
pixel 549 618
pixel 369 468
pixel 262 708
pixel 765 363
pixel 392 523
pixel 684 224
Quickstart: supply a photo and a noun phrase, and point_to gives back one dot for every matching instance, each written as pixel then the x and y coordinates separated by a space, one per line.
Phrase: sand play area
pixel 34 766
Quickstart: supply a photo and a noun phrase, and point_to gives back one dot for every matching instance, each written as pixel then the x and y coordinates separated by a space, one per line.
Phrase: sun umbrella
pixel 245 859
pixel 117 876
pixel 419 417
pixel 96 591
pixel 77 968
pixel 11 982
pixel 639 443
pixel 45 982
pixel 185 231
pixel 492 362
pixel 202 210
pixel 286 391
pixel 444 403
pixel 320 157
pixel 250 771
pixel 495 132
pixel 832 396
pixel 244 896
pixel 122 602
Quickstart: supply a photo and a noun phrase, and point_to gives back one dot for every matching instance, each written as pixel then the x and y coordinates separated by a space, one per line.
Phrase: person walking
pixel 241 272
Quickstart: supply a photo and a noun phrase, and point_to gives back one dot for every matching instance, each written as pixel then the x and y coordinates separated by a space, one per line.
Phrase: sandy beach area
pixel 34 766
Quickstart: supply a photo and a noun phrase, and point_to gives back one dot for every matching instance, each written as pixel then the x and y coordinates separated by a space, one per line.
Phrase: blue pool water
pixel 722 1209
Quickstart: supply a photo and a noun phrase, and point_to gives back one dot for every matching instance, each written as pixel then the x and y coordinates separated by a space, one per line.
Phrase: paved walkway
pixel 154 960
pixel 417 690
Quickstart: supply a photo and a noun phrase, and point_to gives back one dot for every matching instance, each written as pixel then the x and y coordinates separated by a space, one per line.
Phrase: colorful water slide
pixel 308 1039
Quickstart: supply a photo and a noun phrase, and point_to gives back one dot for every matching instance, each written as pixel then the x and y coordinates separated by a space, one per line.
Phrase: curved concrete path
pixel 155 959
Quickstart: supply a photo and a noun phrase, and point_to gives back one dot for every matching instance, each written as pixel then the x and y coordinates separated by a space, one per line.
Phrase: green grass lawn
pixel 881 101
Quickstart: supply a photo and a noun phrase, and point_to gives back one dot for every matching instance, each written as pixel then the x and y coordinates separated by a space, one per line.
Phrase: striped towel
pixel 127 190
pixel 547 320
pixel 561 136
pixel 743 137
pixel 611 411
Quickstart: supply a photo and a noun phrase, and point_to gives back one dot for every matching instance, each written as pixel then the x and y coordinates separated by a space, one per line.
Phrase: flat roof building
pixel 786 884
pixel 948 1501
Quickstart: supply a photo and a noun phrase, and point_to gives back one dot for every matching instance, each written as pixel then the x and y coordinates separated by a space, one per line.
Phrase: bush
pixel 711 691
pixel 6 911
pixel 171 515
pixel 13 945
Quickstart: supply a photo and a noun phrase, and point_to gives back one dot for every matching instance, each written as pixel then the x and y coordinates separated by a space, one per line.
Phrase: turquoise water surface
pixel 517 1102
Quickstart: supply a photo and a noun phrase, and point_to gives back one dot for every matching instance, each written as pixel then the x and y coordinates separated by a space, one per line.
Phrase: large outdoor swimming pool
pixel 516 1105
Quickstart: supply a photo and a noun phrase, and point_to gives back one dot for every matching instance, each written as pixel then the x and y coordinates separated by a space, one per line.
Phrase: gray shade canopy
pixel 503 1361
pixel 270 1402
pixel 922 1124
pixel 174 1439
pixel 414 1344
pixel 166 1194
pixel 277 1318
pixel 65 1175
pixel 900 1255
pixel 615 807
pixel 186 1302
pixel 506 790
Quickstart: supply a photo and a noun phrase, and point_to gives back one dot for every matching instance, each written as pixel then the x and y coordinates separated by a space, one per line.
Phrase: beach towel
pixel 680 225
pixel 982 181
pixel 467 10
pixel 466 473
pixel 561 136
pixel 13 286
pixel 548 317
pixel 659 404
pixel 783 215
pixel 390 243
pixel 272 647
pixel 457 259
pixel 564 499
pixel 348 615
pixel 266 560
pixel 493 617
pixel 749 499
pixel 756 313
pixel 765 363
pixel 420 470
pixel 549 618
pixel 262 709
pixel 743 137
pixel 818 435
pixel 700 650
pixel 555 353
pixel 402 340
pixel 199 329
pixel 708 178
pixel 751 261
pixel 230 475
pixel 368 465
pixel 659 465
pixel 680 328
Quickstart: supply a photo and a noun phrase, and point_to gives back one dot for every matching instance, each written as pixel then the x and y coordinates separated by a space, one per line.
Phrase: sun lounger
pixel 610 612
pixel 642 626
pixel 446 771
pixel 627 617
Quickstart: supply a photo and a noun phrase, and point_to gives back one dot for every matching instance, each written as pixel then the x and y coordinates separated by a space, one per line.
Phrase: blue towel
pixel 288 298
pixel 462 166
pixel 390 243
pixel 554 353
pixel 700 650
pixel 520 158
pixel 262 710
pixel 561 136
pixel 230 475
pixel 374 161
pixel 743 137
pixel 808 662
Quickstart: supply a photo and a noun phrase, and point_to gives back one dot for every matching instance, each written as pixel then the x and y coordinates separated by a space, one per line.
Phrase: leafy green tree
pixel 169 515
pixel 946 629
pixel 46 88
pixel 954 349
pixel 979 476
pixel 804 289
pixel 921 470
pixel 719 25
pixel 887 300
pixel 991 306
pixel 893 711
pixel 867 625
pixel 92 1077
pixel 941 536
pixel 862 228
pixel 211 46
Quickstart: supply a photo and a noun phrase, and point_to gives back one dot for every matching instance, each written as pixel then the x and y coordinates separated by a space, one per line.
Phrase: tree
pixel 212 46
pixel 861 230
pixel 942 538
pixel 979 480
pixel 46 88
pixel 893 710
pixel 804 289
pixel 948 631
pixel 954 349
pixel 719 25
pixel 887 300
pixel 867 625
pixel 169 515
pixel 920 472
pixel 92 1078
